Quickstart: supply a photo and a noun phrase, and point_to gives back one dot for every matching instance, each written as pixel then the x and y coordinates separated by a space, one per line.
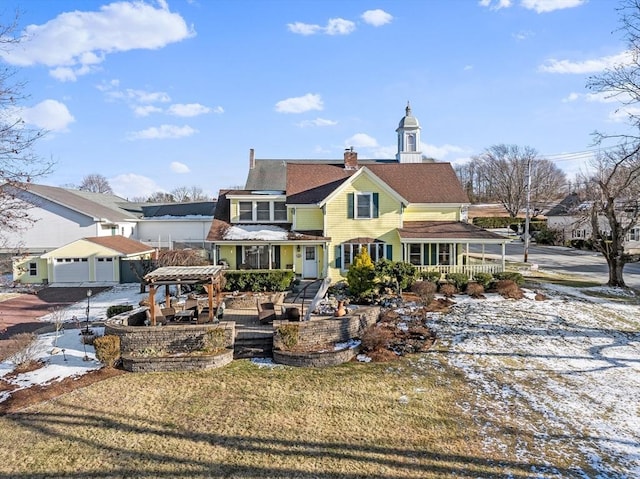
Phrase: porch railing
pixel 468 269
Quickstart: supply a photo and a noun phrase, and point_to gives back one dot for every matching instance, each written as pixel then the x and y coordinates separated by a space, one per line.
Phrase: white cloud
pixel 131 185
pixel 376 17
pixel 335 26
pixel 82 39
pixel 622 115
pixel 361 140
pixel 522 35
pixel 587 66
pixel 188 109
pixel 467 68
pixel 544 6
pixel 317 122
pixel 218 109
pixel 441 152
pixel 178 167
pixel 339 26
pixel 304 28
pixel 145 110
pixel 49 115
pixel 495 4
pixel 571 97
pixel 300 104
pixel 163 132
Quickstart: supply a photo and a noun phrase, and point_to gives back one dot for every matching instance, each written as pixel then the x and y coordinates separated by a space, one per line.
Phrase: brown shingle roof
pixel 123 245
pixel 445 230
pixel 416 182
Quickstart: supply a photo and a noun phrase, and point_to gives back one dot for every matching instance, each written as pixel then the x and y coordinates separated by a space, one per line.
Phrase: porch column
pixel 270 255
pixel 325 259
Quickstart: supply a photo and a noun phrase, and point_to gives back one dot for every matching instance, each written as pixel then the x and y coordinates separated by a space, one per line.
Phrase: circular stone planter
pixel 315 359
pixel 181 362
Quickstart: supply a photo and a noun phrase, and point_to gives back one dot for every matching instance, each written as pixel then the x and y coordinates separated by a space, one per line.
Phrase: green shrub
pixel 395 273
pixel 107 349
pixel 360 277
pixel 494 221
pixel 432 276
pixel 258 280
pixel 484 279
pixel 118 309
pixel 511 276
pixel 459 280
pixel 547 236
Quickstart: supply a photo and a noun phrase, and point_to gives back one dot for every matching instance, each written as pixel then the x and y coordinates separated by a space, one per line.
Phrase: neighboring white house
pixel 569 219
pixel 62 216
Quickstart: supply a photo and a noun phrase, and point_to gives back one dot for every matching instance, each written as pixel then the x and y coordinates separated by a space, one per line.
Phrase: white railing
pixel 468 269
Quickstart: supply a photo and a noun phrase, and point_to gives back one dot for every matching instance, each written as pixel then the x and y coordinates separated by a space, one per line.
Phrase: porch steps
pixel 253 341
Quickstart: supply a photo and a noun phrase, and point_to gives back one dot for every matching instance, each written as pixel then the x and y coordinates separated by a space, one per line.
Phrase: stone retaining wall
pixel 176 363
pixel 314 359
pixel 169 348
pixel 317 333
pixel 249 300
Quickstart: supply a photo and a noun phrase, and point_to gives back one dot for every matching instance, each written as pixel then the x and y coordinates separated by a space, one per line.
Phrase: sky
pixel 156 95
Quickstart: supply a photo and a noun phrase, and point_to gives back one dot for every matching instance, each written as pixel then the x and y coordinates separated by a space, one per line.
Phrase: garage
pixel 70 270
pixel 105 270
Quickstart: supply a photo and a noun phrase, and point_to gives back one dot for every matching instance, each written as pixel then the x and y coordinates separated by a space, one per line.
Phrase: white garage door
pixel 104 269
pixel 70 270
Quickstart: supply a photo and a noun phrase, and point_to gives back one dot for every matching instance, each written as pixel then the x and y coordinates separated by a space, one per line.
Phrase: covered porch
pixel 446 247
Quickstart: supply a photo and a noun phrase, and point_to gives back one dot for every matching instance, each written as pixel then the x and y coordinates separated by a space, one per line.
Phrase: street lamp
pixel 89 293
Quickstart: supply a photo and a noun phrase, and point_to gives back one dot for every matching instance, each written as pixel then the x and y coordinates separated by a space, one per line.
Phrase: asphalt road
pixel 567 260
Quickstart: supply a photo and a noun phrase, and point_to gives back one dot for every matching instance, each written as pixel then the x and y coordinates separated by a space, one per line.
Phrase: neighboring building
pixel 313 216
pixel 100 259
pixel 570 219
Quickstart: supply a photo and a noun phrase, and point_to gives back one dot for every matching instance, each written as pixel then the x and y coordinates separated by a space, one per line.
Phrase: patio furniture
pixel 266 312
pixel 187 314
pixel 168 313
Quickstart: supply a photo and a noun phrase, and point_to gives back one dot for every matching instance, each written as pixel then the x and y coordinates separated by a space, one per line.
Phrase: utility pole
pixel 526 217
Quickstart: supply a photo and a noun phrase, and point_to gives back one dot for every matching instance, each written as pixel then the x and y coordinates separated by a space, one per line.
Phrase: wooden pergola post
pixel 167 296
pixel 152 303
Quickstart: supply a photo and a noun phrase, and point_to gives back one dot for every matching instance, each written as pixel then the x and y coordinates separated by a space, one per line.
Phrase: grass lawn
pixel 386 420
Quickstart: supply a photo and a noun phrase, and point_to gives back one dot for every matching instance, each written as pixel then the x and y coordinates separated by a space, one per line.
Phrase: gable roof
pixel 120 244
pixel 566 207
pixel 95 205
pixel 416 182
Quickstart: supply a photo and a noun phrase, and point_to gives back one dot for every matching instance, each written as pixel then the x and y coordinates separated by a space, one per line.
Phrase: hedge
pixel 258 280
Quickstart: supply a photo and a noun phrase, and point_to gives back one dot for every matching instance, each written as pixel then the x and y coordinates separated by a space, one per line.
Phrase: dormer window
pixel 363 205
pixel 263 211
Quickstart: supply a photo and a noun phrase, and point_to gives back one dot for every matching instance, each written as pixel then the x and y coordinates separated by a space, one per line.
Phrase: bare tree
pixel 614 189
pixel 183 194
pixel 161 197
pixel 505 171
pixel 613 207
pixel 96 183
pixel 19 166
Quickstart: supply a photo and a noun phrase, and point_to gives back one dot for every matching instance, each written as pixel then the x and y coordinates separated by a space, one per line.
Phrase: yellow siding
pixel 309 219
pixel 431 213
pixel 340 228
pixel 81 249
pixel 21 270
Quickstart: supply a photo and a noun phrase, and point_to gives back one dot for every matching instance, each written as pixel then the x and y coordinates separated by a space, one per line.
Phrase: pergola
pixel 209 276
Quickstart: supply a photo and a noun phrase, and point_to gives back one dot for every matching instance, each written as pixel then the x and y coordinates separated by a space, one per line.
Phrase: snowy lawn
pixel 564 371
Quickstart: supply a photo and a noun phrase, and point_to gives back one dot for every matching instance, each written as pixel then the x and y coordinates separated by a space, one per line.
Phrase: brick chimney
pixel 252 159
pixel 350 159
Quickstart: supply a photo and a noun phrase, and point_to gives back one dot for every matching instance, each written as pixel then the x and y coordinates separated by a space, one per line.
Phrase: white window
pixel 350 250
pixel 634 234
pixel 579 234
pixel 411 142
pixel 246 210
pixel 415 254
pixel 33 269
pixel 262 211
pixel 364 204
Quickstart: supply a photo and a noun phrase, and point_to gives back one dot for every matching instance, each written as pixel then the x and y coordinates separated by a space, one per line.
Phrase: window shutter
pixel 376 199
pixel 350 205
pixel 338 257
pixel 238 256
pixel 276 256
pixel 390 251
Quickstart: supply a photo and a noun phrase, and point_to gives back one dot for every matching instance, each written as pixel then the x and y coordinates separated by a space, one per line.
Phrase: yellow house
pixel 313 216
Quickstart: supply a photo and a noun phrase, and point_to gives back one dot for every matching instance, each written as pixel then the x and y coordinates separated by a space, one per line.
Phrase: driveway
pixel 21 314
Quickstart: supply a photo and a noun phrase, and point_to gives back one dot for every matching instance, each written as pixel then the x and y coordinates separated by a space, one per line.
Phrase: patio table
pixel 184 315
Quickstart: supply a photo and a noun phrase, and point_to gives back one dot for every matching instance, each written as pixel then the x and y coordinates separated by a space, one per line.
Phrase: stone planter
pixel 176 362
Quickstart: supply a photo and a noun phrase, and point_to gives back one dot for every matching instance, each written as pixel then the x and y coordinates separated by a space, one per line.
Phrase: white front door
pixel 310 263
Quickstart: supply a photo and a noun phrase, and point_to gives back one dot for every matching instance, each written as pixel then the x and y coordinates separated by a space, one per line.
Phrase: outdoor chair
pixel 169 314
pixel 266 312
